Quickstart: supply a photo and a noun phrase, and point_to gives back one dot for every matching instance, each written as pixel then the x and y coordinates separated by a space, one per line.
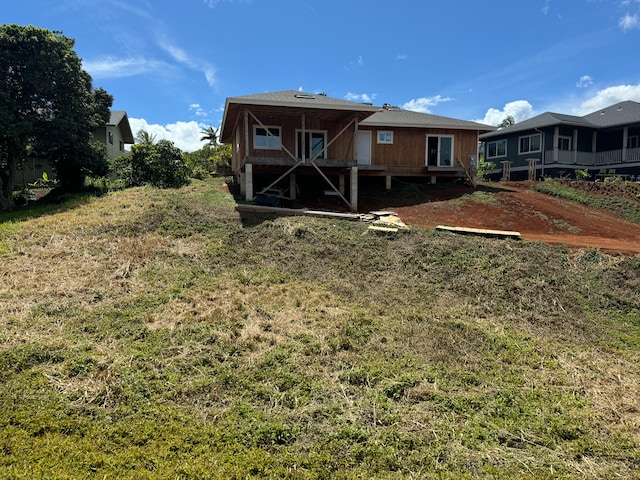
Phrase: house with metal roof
pixel 554 144
pixel 279 136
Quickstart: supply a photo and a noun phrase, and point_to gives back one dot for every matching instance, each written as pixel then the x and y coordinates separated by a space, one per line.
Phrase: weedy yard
pixel 158 334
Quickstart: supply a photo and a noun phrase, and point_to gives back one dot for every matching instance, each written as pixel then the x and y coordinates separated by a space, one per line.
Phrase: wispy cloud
pixel 424 104
pixel 629 22
pixel 402 56
pixel 112 67
pixel 182 56
pixel 357 63
pixel 213 3
pixel 360 97
pixel 585 81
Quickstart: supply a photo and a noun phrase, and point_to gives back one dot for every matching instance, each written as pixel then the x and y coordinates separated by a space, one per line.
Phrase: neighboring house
pixel 276 136
pixel 115 134
pixel 553 144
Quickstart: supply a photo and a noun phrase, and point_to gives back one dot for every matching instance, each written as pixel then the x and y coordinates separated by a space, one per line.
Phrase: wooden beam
pixel 481 232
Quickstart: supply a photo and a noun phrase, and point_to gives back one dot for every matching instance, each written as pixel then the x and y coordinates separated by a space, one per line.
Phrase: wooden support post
pixel 387 184
pixel 341 184
pixel 506 171
pixel 293 193
pixel 532 169
pixel 242 181
pixel 248 174
pixel 354 189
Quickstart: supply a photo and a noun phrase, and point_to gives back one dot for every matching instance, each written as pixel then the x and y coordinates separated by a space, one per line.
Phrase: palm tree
pixel 145 138
pixel 210 135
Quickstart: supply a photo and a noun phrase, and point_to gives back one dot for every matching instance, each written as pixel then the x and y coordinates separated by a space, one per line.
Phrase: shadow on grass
pixel 372 196
pixel 53 201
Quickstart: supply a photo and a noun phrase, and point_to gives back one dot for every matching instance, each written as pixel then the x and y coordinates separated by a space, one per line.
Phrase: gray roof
pixel 295 98
pixel 397 117
pixel 622 113
pixel 119 119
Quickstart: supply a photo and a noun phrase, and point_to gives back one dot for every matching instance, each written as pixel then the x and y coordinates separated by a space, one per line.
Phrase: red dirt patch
pixel 535 215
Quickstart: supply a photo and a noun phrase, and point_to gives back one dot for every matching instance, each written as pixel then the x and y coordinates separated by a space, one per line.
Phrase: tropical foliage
pixel 48 109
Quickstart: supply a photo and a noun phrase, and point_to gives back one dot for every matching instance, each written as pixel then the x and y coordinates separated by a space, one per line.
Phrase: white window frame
pixel 496 142
pixel 384 137
pixel 270 138
pixel 311 132
pixel 530 137
pixel 633 141
pixel 563 138
pixel 438 154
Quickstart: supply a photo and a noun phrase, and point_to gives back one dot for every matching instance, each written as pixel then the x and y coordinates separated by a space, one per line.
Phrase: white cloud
pixel 402 56
pixel 185 135
pixel 423 104
pixel 585 81
pixel 181 56
pixel 607 97
pixel 629 22
pixel 519 110
pixel 360 97
pixel 110 67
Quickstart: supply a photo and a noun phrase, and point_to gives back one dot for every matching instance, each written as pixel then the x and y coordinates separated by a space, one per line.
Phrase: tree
pixel 47 105
pixel 159 164
pixel 507 122
pixel 145 138
pixel 210 135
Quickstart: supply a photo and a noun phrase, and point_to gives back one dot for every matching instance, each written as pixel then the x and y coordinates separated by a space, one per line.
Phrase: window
pixel 385 137
pixel 314 143
pixel 439 151
pixel 530 143
pixel 497 149
pixel 111 138
pixel 266 140
pixel 121 146
pixel 564 143
pixel 633 142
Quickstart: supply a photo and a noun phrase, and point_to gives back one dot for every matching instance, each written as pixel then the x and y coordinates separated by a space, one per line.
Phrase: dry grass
pixel 189 342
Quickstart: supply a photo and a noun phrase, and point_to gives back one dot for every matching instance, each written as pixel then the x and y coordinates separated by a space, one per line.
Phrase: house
pixel 115 134
pixel 279 135
pixel 553 144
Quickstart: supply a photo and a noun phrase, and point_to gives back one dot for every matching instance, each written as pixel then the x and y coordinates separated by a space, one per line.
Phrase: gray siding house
pixel 554 144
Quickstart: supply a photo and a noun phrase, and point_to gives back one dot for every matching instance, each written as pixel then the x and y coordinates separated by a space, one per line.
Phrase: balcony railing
pixel 590 159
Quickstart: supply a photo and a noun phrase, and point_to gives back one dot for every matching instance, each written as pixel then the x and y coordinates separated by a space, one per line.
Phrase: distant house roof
pixel 119 119
pixel 397 117
pixel 622 113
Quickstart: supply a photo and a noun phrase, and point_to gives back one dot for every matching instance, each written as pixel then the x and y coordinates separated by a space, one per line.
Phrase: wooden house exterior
pixel 555 144
pixel 277 136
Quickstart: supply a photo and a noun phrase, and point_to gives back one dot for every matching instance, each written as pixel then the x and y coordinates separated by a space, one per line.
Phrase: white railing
pixel 608 158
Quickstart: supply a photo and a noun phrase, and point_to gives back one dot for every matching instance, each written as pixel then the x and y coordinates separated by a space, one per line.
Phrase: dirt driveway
pixel 515 207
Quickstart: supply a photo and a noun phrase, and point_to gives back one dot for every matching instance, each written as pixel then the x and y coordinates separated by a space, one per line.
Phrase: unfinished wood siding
pixel 409 148
pixel 340 149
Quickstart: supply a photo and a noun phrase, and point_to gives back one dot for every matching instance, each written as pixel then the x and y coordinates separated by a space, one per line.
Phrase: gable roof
pixel 622 113
pixel 397 117
pixel 119 119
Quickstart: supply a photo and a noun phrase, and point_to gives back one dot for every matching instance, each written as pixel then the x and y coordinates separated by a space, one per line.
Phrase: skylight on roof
pixel 305 95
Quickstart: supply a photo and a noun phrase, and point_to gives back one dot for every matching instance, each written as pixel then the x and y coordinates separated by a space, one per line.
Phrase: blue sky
pixel 171 64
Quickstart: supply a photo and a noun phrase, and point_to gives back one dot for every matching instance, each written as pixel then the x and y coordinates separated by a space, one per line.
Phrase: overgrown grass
pixel 159 334
pixel 621 198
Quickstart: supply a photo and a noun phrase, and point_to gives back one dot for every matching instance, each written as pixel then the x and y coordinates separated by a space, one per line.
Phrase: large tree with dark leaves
pixel 48 108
